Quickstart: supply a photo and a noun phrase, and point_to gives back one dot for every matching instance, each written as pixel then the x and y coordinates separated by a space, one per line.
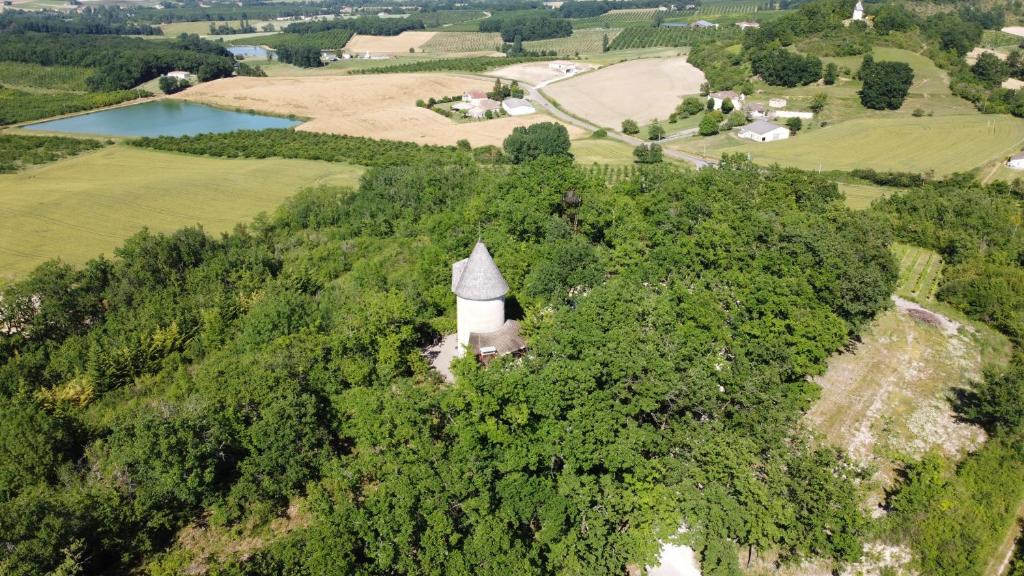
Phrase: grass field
pixel 462 42
pixel 941 145
pixel 951 137
pixel 203 28
pixel 860 196
pixel 602 151
pixel 78 208
pixel 581 42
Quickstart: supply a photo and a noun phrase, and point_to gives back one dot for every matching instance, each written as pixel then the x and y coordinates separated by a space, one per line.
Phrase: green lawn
pixel 602 151
pixel 81 207
pixel 860 196
pixel 940 144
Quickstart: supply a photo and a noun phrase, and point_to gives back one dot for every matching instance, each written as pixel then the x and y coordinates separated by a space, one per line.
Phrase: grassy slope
pixel 860 196
pixel 889 396
pixel 83 206
pixel 955 138
pixel 602 151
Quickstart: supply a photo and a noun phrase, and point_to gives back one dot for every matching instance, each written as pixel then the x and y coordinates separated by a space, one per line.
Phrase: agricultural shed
pixel 517 107
pixel 763 131
pixel 1016 161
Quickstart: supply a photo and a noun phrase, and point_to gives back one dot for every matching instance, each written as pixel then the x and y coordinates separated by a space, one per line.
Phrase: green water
pixel 162 118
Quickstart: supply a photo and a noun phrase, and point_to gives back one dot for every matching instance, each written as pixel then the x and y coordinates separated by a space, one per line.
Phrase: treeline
pixel 192 378
pixel 304 49
pixel 284 143
pixel 900 179
pixel 468 64
pixel 90 20
pixel 20 106
pixel 119 62
pixel 225 11
pixel 975 228
pixel 527 27
pixel 17 152
pixel 372 25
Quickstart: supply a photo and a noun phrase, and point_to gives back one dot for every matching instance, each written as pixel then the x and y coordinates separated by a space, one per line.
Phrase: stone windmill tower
pixel 480 306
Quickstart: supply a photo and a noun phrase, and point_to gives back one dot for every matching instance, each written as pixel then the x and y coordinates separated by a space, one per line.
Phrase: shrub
pixel 708 125
pixel 794 125
pixel 530 142
pixel 600 133
pixel 630 127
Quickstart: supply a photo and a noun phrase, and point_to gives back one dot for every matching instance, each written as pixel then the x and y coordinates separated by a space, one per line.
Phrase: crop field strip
pixel 581 42
pixel 458 42
pixel 920 272
pixel 732 8
pixel 25 75
pixel 647 37
pixel 326 40
pixel 444 19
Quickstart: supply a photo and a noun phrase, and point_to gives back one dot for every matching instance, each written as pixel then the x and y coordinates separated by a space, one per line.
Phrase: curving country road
pixel 538 98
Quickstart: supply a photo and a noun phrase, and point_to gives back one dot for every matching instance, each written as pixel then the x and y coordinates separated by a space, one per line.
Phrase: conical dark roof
pixel 478 277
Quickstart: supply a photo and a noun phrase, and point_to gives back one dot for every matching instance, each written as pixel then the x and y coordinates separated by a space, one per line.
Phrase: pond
pixel 162 118
pixel 250 51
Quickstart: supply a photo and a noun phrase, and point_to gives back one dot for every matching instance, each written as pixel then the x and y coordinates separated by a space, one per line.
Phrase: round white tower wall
pixel 478 316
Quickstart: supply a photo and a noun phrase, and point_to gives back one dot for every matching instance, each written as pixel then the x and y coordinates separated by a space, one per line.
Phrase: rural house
pixel 756 110
pixel 480 307
pixel 474 96
pixel 763 131
pixel 734 97
pixel 517 107
pixel 704 24
pixel 179 74
pixel 744 25
pixel 1016 161
pixel 482 107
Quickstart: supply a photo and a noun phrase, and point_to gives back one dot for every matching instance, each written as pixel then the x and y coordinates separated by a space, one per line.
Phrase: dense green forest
pixel 672 320
pixel 91 20
pixel 119 62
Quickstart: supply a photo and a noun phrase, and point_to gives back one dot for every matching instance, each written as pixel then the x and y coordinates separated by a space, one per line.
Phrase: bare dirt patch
pixel 532 73
pixel 890 394
pixel 1015 30
pixel 376 106
pixel 638 89
pixel 388 44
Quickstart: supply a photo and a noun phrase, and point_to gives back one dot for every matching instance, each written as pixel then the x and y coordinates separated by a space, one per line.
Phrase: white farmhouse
pixel 763 131
pixel 517 107
pixel 756 111
pixel 563 67
pixel 745 24
pixel 482 107
pixel 734 97
pixel 1016 161
pixel 480 292
pixel 178 74
pixel 858 11
pixel 474 97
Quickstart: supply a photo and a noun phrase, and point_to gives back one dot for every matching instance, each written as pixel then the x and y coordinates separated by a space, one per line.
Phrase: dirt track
pixel 376 106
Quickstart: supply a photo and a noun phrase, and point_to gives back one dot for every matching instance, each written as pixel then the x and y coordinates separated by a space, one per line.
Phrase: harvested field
pixel 638 89
pixel 532 73
pixel 1015 30
pixel 463 42
pixel 374 106
pixel 388 44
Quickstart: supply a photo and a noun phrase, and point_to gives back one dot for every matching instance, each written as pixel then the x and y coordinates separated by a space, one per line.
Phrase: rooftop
pixel 478 277
pixel 761 127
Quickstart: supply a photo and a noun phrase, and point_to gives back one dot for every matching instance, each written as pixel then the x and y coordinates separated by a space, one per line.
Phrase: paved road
pixel 538 98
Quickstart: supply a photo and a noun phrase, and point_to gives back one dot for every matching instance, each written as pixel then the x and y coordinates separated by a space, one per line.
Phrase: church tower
pixel 858 11
pixel 479 295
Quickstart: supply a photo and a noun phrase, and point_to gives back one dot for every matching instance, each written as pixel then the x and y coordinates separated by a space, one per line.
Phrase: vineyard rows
pixel 21 74
pixel 646 37
pixel 457 42
pixel 581 41
pixel 326 40
pixel 733 8
pixel 615 174
pixel 617 19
